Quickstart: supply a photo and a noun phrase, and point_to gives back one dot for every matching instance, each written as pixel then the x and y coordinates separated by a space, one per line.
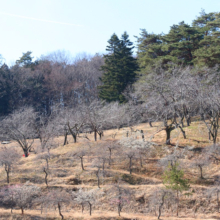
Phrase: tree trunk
pixel 110 156
pixel 183 132
pixel 100 135
pixel 7 176
pixel 65 138
pixel 119 209
pixel 130 165
pixel 161 206
pixel 22 211
pixel 59 208
pixel 188 120
pixel 177 203
pixel 150 123
pixel 90 208
pixel 97 174
pixel 74 135
pixel 218 200
pixel 25 152
pixel 201 176
pixel 95 134
pixel 141 162
pixel 168 132
pixel 74 138
pixel 82 163
pixel 82 207
pixel 46 174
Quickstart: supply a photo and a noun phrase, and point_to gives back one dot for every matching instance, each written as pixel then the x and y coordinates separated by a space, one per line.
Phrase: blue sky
pixel 78 26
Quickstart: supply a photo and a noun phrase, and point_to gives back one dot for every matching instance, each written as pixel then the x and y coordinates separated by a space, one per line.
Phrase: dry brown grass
pixel 149 177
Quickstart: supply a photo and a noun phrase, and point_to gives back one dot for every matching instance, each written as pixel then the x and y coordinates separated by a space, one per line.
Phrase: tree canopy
pixel 119 69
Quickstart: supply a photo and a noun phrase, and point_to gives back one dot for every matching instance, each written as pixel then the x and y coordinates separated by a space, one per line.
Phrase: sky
pixel 85 26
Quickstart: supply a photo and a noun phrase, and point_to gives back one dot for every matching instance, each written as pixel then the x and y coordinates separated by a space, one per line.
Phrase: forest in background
pixel 57 79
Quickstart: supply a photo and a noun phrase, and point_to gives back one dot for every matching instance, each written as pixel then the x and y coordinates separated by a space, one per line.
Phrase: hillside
pixel 65 172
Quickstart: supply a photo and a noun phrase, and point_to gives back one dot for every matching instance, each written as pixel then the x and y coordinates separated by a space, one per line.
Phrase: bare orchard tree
pixel 46 156
pixel 208 99
pixel 72 121
pixel 23 195
pixel 215 191
pixel 57 198
pixel 135 149
pixel 200 162
pixel 159 198
pixel 7 197
pixel 120 197
pixel 80 153
pixel 99 116
pixel 103 156
pixel 98 165
pixel 9 158
pixel 90 197
pixel 214 153
pixel 166 96
pixel 75 124
pixel 46 130
pixel 172 158
pixel 110 146
pixel 19 126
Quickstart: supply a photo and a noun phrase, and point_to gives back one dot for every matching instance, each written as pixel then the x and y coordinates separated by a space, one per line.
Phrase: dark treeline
pixel 48 82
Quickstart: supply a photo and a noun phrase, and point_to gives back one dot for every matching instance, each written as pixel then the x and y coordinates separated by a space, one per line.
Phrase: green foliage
pixel 5 89
pixel 198 44
pixel 173 179
pixel 26 60
pixel 119 69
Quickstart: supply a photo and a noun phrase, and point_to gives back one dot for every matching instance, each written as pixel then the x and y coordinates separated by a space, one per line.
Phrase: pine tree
pixel 180 43
pixel 173 179
pixel 26 61
pixel 150 49
pixel 119 69
pixel 209 52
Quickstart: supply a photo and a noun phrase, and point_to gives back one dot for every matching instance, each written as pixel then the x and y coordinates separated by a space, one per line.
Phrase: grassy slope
pixel 149 177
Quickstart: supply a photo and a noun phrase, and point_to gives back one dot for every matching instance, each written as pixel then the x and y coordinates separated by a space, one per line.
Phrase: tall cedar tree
pixel 119 69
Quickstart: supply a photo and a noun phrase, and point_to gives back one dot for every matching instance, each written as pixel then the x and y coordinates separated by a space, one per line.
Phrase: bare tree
pixel 214 152
pixel 173 158
pixel 46 130
pixel 19 126
pixel 71 121
pixel 57 198
pixel 159 198
pixel 120 197
pixel 79 153
pixel 98 165
pixel 23 195
pixel 9 158
pixel 99 116
pixel 215 190
pixel 200 162
pixel 89 197
pixel 135 147
pixel 166 103
pixel 208 99
pixel 110 146
pixel 45 167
